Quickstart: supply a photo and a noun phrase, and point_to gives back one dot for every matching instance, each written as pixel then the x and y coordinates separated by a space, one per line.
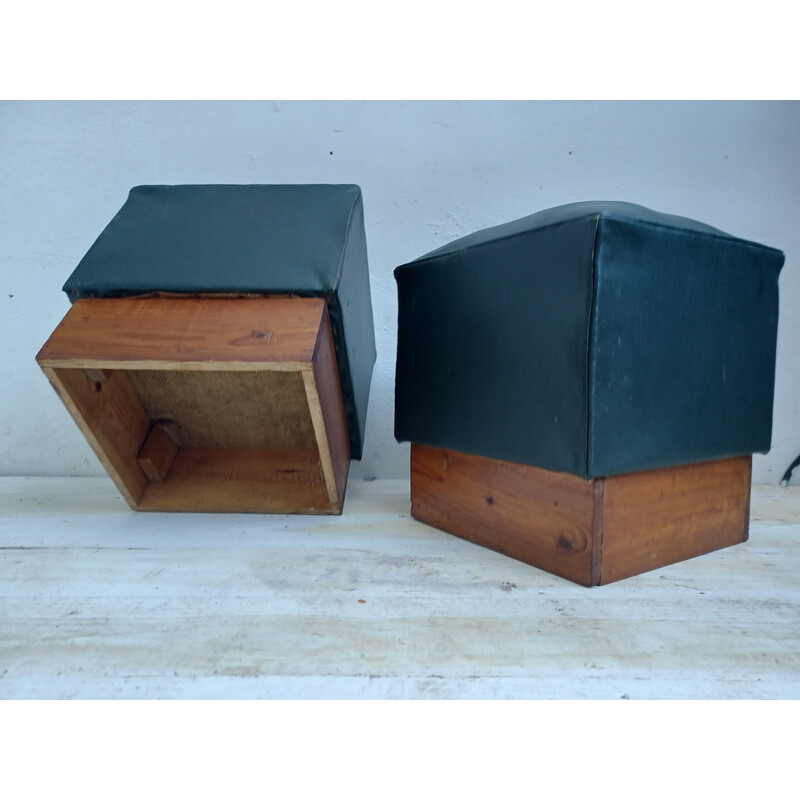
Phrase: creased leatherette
pixel 597 338
pixel 302 239
pixel 492 350
pixel 683 348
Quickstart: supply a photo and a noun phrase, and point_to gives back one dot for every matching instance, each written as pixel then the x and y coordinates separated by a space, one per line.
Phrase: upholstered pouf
pixel 219 349
pixel 583 388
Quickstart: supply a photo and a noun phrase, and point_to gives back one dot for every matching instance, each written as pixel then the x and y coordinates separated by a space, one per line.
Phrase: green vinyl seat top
pixel 595 338
pixel 301 239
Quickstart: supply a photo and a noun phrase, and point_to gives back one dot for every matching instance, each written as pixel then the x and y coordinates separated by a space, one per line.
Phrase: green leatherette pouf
pixel 304 240
pixel 583 388
pixel 595 338
pixel 218 352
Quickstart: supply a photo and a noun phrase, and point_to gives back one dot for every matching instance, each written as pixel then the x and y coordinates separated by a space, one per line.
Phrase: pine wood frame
pixel 591 532
pixel 91 353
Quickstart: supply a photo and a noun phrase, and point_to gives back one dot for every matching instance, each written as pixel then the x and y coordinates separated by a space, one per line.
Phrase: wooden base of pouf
pixel 207 403
pixel 591 532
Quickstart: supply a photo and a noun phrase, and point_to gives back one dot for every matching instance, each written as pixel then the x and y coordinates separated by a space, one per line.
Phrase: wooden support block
pixel 590 532
pixel 157 454
pixel 207 404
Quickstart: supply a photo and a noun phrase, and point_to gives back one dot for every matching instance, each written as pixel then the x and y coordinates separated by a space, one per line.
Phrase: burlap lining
pixel 228 409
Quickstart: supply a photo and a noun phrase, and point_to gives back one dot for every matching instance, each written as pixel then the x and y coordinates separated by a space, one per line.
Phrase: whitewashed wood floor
pixel 97 601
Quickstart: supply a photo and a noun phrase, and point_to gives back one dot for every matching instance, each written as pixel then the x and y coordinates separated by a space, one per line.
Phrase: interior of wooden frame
pixel 207 404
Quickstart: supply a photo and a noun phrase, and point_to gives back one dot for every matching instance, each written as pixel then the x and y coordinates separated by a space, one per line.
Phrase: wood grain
pixel 186 333
pixel 541 517
pixel 113 421
pixel 157 454
pixel 659 517
pixel 99 604
pixel 325 403
pixel 242 481
pixel 591 532
pixel 98 375
pixel 242 395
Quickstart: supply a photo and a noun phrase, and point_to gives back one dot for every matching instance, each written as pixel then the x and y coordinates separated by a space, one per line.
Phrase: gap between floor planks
pixel 98 601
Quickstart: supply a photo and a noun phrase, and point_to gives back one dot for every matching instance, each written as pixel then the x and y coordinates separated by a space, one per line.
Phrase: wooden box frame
pixel 591 532
pixel 259 349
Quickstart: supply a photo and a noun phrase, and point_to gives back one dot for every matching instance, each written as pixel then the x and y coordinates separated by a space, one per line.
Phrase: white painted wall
pixel 430 172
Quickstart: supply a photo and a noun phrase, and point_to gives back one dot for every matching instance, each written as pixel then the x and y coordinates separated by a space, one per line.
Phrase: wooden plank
pixel 659 517
pixel 241 480
pixel 186 333
pixel 113 421
pixel 541 517
pixel 324 397
pixel 101 604
pixel 157 454
pixel 591 532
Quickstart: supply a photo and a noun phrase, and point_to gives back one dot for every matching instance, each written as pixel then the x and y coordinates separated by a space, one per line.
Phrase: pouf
pixel 583 388
pixel 219 350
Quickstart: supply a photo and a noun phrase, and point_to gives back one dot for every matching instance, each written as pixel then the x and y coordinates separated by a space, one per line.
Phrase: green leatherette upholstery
pixel 595 338
pixel 306 240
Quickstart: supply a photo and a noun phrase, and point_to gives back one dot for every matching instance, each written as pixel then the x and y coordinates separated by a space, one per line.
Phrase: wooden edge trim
pixel 318 420
pixel 184 366
pixel 325 403
pixel 203 331
pixel 749 479
pixel 598 488
pixel 331 397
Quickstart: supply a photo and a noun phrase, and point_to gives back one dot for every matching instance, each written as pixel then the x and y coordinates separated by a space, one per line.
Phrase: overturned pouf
pixel 220 346
pixel 591 341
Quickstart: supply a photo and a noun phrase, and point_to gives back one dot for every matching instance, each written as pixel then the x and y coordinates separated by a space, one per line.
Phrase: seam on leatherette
pixel 345 376
pixel 721 236
pixel 346 238
pixel 427 259
pixel 589 349
pixel 336 315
